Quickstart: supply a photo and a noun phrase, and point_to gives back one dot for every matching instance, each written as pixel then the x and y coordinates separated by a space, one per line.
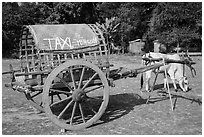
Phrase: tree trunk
pixel 178 47
pixel 123 45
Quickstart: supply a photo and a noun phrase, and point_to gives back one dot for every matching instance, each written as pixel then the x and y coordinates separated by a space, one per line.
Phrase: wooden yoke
pixel 166 60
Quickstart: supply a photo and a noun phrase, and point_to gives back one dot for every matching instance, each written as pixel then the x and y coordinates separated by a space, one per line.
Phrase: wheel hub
pixel 78 95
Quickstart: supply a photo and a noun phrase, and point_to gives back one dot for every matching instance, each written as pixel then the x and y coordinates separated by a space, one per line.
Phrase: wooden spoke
pixel 59 116
pixel 60 91
pixel 41 103
pixel 35 102
pixel 87 83
pixel 72 76
pixel 52 99
pixel 73 112
pixel 94 89
pixel 65 83
pixel 32 99
pixel 36 94
pixel 81 78
pixel 87 98
pixel 82 114
pixel 59 97
pixel 61 101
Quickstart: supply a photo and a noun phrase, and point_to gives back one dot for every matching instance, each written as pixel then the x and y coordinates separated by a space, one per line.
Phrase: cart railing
pixel 46 46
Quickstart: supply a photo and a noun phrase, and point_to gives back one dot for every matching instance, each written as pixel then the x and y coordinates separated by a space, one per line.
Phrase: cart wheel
pixel 35 99
pixel 83 94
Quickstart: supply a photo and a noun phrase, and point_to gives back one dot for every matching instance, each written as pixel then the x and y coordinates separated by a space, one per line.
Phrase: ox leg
pixel 154 81
pixel 181 85
pixel 172 76
pixel 147 80
pixel 148 75
pixel 174 84
pixel 165 81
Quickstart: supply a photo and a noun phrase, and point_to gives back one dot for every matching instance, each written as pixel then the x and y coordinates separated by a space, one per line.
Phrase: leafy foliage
pixel 109 29
pixel 175 22
pixel 10 27
pixel 168 22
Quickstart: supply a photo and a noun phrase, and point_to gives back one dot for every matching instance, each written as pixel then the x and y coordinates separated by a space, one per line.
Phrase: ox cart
pixel 65 72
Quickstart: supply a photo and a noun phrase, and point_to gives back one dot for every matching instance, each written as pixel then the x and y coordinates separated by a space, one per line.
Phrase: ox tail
pixel 141 76
pixel 141 81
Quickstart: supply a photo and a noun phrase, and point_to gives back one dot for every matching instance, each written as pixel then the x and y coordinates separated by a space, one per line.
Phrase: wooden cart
pixel 65 72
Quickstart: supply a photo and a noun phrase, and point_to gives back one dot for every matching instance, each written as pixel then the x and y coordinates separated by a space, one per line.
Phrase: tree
pixel 73 12
pixel 132 16
pixel 175 23
pixel 109 29
pixel 16 15
pixel 10 28
pixel 172 23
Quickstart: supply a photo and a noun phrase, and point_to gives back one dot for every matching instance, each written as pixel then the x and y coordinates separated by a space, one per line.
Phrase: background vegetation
pixel 170 23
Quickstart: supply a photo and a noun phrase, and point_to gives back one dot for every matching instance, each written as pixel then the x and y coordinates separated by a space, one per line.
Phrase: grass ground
pixel 127 113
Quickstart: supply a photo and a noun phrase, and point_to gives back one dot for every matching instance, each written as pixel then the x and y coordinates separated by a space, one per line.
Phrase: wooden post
pixel 166 76
pixel 172 107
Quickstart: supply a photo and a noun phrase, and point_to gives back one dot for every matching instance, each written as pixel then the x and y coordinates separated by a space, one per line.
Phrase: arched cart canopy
pixel 44 46
pixel 60 36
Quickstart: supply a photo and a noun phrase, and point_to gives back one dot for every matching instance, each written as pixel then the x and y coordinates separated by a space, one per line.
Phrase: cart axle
pixel 78 95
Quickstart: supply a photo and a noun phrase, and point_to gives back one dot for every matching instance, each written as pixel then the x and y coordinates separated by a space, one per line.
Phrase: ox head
pixel 184 84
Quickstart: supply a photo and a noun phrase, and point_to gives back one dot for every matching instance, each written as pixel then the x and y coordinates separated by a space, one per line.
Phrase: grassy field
pixel 127 113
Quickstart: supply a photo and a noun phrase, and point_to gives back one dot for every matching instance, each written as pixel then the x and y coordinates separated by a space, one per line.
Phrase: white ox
pixel 174 70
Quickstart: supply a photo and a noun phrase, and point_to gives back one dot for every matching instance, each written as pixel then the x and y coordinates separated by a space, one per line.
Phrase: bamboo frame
pixel 37 62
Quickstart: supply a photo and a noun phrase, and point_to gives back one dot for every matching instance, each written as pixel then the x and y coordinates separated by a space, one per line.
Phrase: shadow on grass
pixel 122 104
pixel 160 86
pixel 163 95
